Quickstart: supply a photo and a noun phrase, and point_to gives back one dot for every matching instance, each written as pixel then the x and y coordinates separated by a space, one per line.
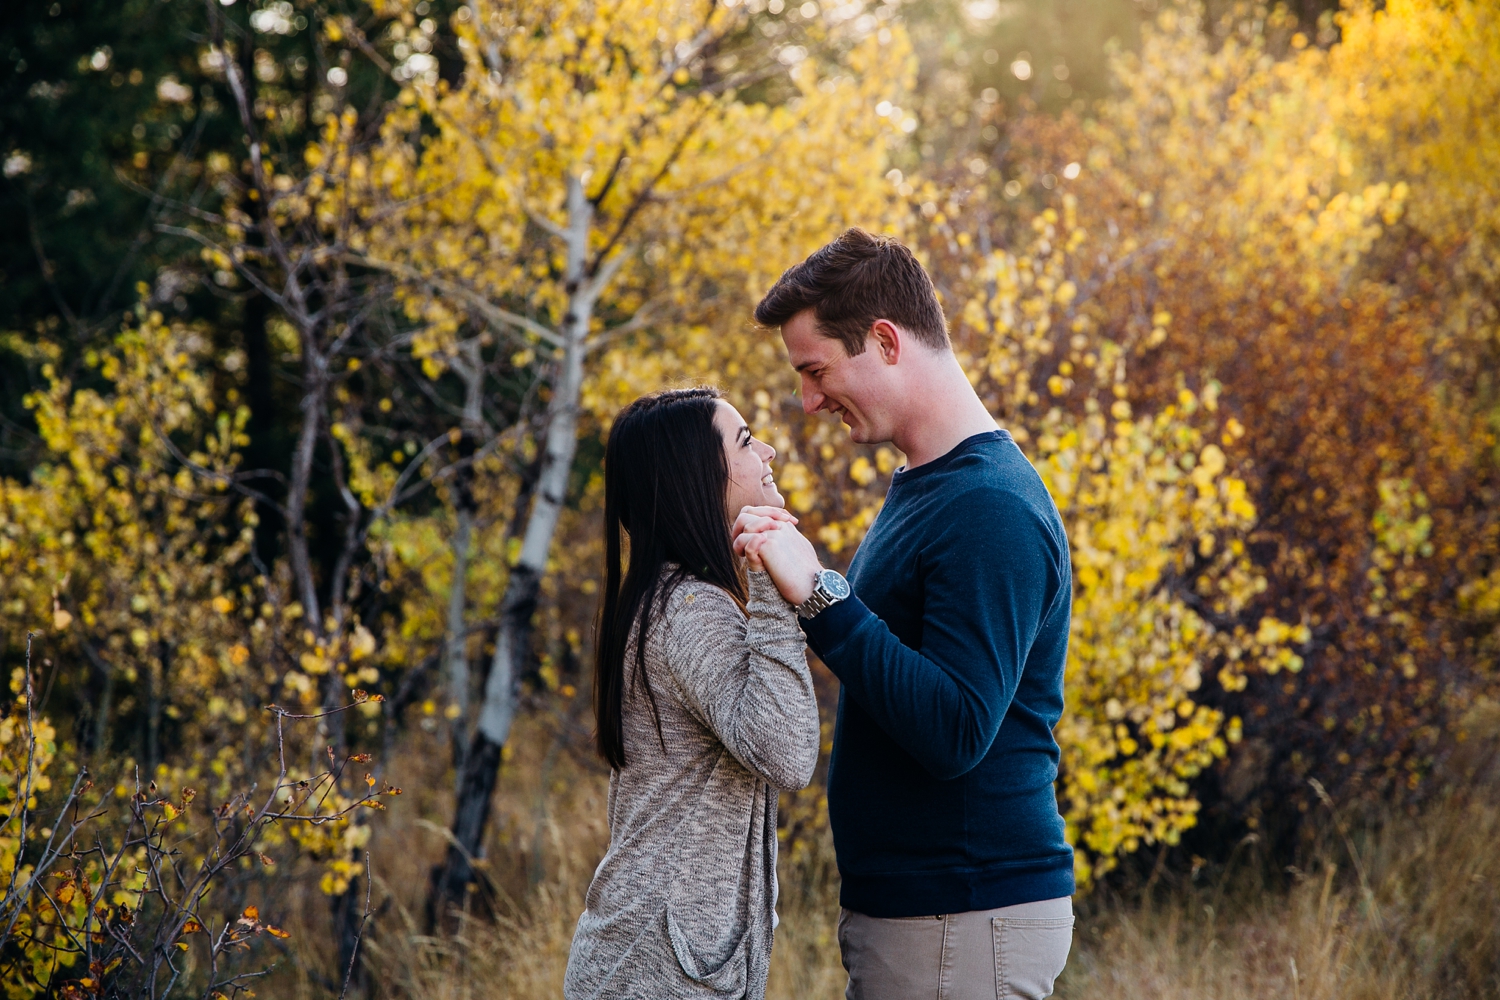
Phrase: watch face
pixel 836 586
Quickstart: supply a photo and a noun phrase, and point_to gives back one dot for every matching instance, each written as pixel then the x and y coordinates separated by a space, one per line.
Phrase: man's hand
pixel 775 544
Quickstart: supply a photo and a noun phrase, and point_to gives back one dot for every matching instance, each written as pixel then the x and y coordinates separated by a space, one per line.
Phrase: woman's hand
pixel 757 519
pixel 777 546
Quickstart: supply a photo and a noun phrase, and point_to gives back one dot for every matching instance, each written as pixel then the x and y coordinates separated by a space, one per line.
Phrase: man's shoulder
pixel 995 499
pixel 995 476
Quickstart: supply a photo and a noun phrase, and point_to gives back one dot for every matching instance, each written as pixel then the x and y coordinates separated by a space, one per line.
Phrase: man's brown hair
pixel 854 281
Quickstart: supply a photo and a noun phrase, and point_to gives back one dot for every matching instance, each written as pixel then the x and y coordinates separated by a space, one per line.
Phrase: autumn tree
pixel 602 177
pixel 1257 217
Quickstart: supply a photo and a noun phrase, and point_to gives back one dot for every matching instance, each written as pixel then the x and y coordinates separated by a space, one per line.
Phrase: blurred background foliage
pixel 315 315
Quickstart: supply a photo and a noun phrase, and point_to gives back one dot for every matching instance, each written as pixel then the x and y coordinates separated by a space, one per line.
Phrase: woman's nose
pixel 766 451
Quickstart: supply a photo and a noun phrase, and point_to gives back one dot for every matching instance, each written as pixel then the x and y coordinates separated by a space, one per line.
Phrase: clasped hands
pixel 767 538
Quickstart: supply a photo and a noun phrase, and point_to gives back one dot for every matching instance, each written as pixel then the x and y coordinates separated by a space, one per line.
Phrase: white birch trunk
pixel 560 445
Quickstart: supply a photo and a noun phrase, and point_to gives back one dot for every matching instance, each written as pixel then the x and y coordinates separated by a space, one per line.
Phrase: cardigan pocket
pixel 727 978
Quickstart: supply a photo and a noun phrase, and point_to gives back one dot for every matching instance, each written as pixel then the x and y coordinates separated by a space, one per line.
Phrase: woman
pixel 701 722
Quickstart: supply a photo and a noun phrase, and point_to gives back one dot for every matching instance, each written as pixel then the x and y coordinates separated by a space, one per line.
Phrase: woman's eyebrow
pixel 744 432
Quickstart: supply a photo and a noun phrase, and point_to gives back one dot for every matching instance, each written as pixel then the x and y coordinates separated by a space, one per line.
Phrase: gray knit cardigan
pixel 684 903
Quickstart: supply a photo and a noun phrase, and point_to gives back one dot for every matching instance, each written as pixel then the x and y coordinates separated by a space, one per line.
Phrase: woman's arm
pixel 747 681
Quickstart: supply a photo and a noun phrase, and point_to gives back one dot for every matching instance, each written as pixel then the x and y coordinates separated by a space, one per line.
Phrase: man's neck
pixel 944 412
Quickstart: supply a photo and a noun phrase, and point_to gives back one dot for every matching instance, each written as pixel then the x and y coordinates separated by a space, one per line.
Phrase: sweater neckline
pixel 905 475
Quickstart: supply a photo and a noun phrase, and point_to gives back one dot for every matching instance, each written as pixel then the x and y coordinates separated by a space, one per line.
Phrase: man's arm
pixel 989 581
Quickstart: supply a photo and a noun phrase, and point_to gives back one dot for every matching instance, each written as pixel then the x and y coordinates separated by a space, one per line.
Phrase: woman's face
pixel 750 481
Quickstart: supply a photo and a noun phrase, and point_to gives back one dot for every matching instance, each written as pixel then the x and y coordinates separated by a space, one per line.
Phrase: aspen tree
pixel 595 176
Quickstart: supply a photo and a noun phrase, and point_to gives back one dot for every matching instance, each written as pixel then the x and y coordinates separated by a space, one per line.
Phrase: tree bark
pixel 260 371
pixel 348 922
pixel 313 390
pixel 94 731
pixel 456 654
pixel 477 779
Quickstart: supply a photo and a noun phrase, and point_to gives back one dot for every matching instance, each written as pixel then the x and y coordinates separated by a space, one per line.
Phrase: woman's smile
pixel 752 483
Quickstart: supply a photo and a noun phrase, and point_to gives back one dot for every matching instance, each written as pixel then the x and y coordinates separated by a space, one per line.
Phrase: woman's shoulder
pixel 684 596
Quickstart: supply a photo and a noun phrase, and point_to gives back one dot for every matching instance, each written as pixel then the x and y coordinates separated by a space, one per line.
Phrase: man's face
pixel 852 388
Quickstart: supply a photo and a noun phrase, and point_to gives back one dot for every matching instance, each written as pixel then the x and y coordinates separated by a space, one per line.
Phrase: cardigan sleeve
pixel 746 677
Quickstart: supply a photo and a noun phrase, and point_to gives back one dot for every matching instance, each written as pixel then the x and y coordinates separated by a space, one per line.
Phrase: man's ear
pixel 886 337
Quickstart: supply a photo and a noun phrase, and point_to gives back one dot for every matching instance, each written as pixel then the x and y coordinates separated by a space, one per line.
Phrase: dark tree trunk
pixel 451 879
pixel 92 723
pixel 457 666
pixel 348 926
pixel 481 769
pixel 262 452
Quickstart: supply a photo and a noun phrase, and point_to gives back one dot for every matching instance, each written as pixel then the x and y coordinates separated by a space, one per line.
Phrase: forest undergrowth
pixel 1383 905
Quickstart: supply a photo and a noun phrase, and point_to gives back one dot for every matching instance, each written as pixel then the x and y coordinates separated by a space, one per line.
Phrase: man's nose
pixel 812 399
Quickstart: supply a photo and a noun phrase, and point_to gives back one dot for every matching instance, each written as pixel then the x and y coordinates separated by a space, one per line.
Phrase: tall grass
pixel 1409 910
pixel 1400 906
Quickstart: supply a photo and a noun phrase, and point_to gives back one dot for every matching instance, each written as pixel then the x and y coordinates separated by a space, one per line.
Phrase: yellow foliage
pixel 126 555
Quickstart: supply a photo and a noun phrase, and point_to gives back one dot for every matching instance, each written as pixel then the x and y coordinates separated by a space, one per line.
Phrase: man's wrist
pixel 828 588
pixel 800 595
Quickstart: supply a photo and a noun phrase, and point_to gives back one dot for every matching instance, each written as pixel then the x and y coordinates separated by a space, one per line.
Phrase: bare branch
pixel 496 316
pixel 642 318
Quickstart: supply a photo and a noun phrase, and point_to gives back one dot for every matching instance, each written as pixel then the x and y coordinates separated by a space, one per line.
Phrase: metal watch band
pixel 821 598
pixel 817 602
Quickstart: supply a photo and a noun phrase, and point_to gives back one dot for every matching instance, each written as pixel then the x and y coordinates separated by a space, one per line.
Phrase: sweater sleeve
pixel 747 681
pixel 989 577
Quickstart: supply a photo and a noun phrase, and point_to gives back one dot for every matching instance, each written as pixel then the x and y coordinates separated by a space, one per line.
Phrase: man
pixel 949 639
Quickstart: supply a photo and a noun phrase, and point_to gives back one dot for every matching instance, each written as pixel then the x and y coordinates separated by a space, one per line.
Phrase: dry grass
pixel 1417 915
pixel 1409 908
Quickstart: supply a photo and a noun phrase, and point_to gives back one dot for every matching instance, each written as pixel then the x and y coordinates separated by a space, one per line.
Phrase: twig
pixel 359 935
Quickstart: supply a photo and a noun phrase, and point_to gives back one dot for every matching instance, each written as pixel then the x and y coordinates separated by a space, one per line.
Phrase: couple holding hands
pixel 948 638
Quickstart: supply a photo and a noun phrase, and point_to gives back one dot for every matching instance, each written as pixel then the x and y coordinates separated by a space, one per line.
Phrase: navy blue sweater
pixel 950 652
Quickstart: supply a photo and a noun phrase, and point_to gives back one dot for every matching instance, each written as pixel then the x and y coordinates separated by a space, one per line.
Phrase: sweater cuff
pixel 827 632
pixel 765 601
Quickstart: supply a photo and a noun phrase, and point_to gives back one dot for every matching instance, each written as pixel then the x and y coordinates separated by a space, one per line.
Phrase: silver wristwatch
pixel 829 587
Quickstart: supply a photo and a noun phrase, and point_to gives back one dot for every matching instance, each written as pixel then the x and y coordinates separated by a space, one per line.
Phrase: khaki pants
pixel 1013 953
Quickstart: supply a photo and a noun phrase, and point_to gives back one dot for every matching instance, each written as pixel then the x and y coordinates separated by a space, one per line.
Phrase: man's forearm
pixel 946 726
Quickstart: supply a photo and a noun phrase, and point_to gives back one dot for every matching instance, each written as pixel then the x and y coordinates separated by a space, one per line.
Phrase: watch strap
pixel 818 601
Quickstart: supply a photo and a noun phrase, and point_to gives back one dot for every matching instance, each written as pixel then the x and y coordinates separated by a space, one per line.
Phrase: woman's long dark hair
pixel 665 484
